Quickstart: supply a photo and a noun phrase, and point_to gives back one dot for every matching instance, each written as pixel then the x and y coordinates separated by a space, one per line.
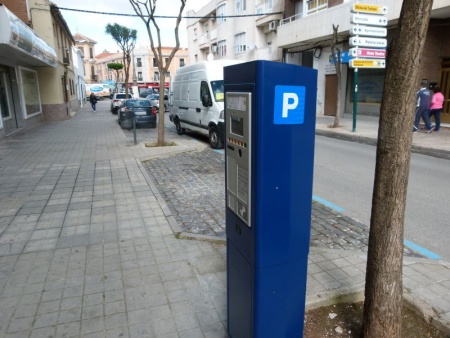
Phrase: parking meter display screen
pixel 237 125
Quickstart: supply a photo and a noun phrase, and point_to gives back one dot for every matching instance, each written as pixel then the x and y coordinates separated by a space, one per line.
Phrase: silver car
pixel 116 101
pixel 154 101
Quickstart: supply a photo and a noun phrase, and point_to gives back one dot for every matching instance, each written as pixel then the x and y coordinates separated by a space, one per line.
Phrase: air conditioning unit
pixel 273 25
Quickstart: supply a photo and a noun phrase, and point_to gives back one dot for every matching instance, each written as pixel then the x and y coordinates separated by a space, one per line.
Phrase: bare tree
pixel 146 10
pixel 117 67
pixel 383 293
pixel 336 54
pixel 126 40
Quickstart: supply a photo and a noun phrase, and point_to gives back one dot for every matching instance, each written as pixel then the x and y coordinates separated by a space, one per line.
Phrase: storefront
pixel 21 52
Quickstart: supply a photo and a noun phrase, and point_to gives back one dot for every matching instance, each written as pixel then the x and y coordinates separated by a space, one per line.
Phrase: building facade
pixel 87 48
pixel 305 35
pixel 235 29
pixel 36 77
pixel 300 32
pixel 143 67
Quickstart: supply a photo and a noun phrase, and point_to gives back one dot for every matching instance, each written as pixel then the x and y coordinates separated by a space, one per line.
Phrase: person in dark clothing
pixel 93 100
pixel 423 109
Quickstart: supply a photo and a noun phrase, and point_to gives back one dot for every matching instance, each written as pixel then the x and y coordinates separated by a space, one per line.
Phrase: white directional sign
pixel 367 19
pixel 369 9
pixel 362 41
pixel 368 31
pixel 367 53
pixel 367 63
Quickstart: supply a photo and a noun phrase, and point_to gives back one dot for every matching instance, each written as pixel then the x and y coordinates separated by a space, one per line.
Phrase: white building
pixel 300 32
pixel 235 29
pixel 78 69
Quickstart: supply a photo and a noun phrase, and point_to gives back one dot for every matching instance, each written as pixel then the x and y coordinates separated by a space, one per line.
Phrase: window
pixel 316 5
pixel 156 77
pixel 140 76
pixel 241 6
pixel 221 11
pixel 91 53
pixel 195 34
pixel 222 48
pixel 155 63
pixel 204 89
pixel 168 75
pixel 30 91
pixel 239 43
pixel 182 63
pixel 138 62
pixel 166 60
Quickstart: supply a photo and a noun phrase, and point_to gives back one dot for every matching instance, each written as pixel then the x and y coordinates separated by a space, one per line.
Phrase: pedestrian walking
pixel 423 98
pixel 93 100
pixel 437 103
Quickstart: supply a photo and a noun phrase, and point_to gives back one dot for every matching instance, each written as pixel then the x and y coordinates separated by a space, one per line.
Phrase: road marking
pixel 220 151
pixel 422 251
pixel 328 204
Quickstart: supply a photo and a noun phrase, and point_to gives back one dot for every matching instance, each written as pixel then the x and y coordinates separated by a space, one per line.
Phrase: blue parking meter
pixel 270 112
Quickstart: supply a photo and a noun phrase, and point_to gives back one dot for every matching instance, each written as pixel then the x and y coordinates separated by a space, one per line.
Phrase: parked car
pixel 146 93
pixel 154 100
pixel 116 101
pixel 143 112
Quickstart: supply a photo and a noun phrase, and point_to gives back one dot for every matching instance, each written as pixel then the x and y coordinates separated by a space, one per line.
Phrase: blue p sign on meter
pixel 289 107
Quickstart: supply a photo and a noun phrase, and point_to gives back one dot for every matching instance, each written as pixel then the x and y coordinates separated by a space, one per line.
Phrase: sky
pixel 92 25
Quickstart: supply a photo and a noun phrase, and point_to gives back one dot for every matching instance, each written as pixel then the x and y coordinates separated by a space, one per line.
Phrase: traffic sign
pixel 367 53
pixel 368 31
pixel 366 63
pixel 370 9
pixel 356 41
pixel 367 19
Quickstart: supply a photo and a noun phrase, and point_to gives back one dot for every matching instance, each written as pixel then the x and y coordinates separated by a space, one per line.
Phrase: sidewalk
pixel 435 144
pixel 87 245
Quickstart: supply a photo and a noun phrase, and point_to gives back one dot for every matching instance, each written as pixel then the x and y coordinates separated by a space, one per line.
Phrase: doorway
pixel 330 95
pixel 7 111
pixel 445 89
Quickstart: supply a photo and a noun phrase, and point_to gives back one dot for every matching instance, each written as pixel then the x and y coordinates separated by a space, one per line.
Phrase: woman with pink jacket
pixel 436 106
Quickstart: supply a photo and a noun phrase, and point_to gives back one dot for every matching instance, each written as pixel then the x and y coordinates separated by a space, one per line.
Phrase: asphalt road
pixel 343 179
pixel 344 174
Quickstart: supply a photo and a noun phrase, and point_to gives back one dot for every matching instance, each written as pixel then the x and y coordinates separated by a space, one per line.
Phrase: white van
pixel 198 100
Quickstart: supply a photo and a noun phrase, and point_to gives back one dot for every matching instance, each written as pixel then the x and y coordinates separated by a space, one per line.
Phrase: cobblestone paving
pixel 192 185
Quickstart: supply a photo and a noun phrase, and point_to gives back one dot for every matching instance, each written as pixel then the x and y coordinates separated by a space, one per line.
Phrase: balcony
pixel 94 78
pixel 203 41
pixel 306 31
pixel 265 8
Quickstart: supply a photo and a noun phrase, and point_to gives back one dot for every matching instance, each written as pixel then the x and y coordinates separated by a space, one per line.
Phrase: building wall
pixel 205 35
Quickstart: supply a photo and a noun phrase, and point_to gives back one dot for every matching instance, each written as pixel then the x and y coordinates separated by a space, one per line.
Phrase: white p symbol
pixel 290 102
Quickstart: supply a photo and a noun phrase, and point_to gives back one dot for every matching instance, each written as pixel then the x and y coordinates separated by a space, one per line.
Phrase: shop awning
pixel 20 45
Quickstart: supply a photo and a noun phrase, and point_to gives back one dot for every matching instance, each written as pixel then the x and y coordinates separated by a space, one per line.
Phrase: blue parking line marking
pixel 422 251
pixel 220 151
pixel 328 204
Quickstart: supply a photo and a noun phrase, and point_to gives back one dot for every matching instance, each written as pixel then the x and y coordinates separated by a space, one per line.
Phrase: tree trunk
pixel 161 114
pixel 383 293
pixel 337 63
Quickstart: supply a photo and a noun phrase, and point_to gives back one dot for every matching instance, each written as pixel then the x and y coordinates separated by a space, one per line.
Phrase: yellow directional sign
pixel 367 63
pixel 369 9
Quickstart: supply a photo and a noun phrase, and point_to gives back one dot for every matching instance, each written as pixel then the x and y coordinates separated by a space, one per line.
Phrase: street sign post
pixel 368 31
pixel 367 53
pixel 372 15
pixel 367 63
pixel 369 9
pixel 367 19
pixel 362 41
